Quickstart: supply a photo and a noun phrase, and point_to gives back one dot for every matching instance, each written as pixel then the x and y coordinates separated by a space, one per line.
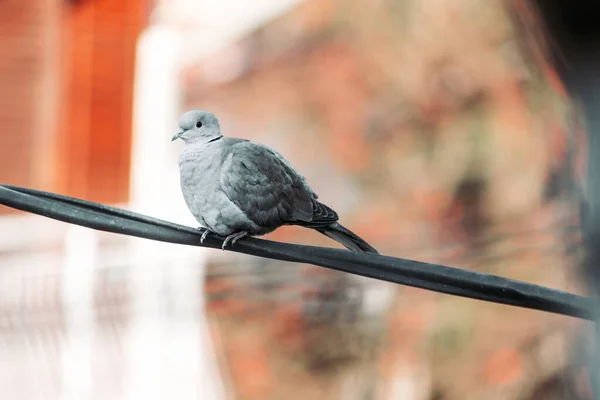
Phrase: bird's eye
pixel 198 124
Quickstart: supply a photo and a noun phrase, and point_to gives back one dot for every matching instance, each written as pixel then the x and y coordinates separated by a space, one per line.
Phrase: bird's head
pixel 198 126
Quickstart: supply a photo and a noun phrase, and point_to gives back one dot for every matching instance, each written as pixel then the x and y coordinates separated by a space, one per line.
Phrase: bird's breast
pixel 199 170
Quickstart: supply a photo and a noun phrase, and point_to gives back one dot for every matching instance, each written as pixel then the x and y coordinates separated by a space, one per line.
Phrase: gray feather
pixel 347 238
pixel 269 191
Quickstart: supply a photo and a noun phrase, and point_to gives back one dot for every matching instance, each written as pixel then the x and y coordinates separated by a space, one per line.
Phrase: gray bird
pixel 235 187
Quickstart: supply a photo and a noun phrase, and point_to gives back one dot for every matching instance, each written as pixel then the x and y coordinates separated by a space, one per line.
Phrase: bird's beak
pixel 176 136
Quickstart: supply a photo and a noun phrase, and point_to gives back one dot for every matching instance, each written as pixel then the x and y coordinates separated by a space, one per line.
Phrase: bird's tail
pixel 346 237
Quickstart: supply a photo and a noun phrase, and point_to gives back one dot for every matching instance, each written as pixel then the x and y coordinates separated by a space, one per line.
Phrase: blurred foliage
pixel 440 133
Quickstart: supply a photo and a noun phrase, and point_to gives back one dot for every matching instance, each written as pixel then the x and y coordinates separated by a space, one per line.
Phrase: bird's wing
pixel 268 189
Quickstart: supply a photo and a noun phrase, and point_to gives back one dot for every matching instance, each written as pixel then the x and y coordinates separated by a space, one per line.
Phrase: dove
pixel 235 187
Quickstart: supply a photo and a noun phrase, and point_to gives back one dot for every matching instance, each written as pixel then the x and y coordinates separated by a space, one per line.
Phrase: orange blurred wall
pixel 66 87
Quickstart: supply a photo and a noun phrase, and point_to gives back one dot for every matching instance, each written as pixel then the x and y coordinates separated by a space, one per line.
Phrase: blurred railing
pixel 79 307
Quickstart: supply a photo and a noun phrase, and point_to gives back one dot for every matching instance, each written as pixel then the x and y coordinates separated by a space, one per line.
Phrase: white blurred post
pixel 166 357
pixel 80 250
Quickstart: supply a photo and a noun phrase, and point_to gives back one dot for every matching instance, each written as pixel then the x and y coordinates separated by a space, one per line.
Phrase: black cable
pixel 434 277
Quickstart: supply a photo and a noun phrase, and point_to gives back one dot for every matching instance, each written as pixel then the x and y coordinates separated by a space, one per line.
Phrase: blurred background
pixel 447 131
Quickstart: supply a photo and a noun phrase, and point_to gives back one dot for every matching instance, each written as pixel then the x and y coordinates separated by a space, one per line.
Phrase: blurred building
pixel 85 315
pixel 67 80
pixel 438 130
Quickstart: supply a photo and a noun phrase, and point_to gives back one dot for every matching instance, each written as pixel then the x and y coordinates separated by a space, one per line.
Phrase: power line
pixel 439 278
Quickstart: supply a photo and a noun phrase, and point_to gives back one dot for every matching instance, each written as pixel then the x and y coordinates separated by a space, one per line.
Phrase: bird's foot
pixel 204 234
pixel 233 238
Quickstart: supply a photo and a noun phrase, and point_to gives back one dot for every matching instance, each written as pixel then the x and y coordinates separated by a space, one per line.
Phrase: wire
pixel 439 278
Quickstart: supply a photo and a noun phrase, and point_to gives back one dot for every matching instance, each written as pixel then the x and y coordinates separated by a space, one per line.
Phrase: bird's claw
pixel 233 238
pixel 204 235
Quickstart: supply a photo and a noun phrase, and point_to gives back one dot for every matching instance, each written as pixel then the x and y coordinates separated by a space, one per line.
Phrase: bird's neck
pixel 201 144
pixel 203 140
